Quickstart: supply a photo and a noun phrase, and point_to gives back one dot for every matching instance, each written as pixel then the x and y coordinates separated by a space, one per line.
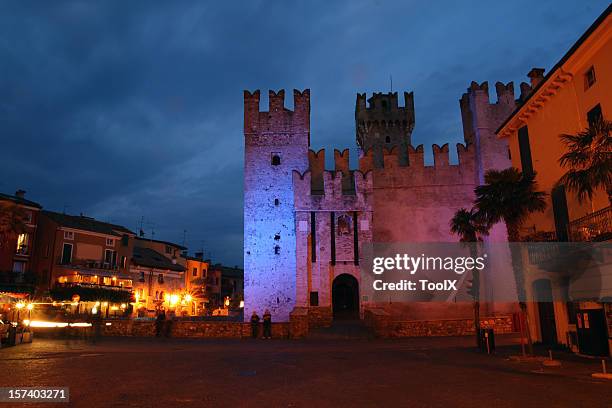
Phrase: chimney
pixel 199 255
pixel 20 193
pixel 536 75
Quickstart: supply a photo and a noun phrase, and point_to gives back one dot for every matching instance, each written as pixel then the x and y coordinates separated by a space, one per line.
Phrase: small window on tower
pixel 277 250
pixel 276 201
pixel 276 160
pixel 277 237
pixel 387 139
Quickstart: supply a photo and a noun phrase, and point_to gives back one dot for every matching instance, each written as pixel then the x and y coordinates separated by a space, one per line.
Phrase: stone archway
pixel 345 297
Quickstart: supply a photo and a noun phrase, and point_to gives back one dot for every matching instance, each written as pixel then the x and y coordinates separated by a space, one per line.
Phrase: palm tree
pixel 470 229
pixel 510 196
pixel 588 160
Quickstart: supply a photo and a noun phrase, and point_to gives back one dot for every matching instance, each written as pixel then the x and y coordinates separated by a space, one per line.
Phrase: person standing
pixel 267 325
pixel 254 324
pixel 159 322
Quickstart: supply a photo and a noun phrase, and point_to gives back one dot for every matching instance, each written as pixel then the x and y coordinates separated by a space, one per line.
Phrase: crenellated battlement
pixel 277 119
pixel 380 121
pixel 333 195
pixel 384 102
pixel 392 158
pixel 476 103
pixel 480 92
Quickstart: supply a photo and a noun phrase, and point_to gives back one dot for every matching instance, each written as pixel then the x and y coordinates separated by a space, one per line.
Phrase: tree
pixel 510 196
pixel 588 160
pixel 470 229
pixel 13 220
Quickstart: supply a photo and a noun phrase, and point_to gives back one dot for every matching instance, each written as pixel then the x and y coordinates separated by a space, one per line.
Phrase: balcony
pixel 596 227
pixel 88 265
pixel 91 292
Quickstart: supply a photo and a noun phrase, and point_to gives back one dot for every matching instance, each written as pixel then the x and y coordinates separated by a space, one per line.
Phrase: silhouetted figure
pixel 159 322
pixel 254 324
pixel 97 327
pixel 267 325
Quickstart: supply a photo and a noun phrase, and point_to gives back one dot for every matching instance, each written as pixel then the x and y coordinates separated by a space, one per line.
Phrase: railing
pixel 594 227
pixel 86 264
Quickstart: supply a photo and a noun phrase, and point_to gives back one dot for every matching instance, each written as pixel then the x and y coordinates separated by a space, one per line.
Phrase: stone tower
pixel 276 143
pixel 383 124
pixel 481 118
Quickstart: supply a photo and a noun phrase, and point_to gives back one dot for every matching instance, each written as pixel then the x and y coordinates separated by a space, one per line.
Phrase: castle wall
pixel 327 229
pixel 481 120
pixel 295 247
pixel 269 221
pixel 415 203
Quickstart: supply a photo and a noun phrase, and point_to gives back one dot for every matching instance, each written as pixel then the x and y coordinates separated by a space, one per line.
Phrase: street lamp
pixel 19 306
pixel 30 307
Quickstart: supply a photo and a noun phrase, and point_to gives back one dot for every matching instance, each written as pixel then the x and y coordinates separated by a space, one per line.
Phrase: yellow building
pixel 195 283
pixel 575 93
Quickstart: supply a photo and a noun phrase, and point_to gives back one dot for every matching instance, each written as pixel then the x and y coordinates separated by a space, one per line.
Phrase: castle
pixel 305 226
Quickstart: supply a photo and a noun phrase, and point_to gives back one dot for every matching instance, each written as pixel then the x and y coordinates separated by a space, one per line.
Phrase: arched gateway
pixel 345 297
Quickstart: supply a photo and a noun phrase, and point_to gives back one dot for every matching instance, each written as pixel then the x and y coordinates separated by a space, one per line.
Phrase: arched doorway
pixel 345 297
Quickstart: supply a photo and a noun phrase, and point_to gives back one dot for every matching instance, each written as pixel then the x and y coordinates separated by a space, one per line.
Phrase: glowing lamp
pixel 188 298
pixel 20 305
pixel 30 306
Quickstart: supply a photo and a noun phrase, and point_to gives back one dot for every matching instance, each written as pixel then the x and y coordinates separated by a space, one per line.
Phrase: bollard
pixel 603 366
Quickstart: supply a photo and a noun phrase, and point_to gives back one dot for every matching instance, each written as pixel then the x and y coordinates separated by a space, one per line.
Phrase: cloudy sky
pixel 133 110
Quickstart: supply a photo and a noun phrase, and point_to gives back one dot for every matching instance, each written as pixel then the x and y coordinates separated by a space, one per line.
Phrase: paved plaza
pixel 320 372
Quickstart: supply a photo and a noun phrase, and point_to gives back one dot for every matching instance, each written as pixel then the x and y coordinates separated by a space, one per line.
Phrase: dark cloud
pixel 124 110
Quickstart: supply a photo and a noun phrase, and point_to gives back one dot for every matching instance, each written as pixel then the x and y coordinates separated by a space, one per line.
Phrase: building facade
pixel 158 270
pixel 18 228
pixel 576 93
pixel 83 259
pixel 196 274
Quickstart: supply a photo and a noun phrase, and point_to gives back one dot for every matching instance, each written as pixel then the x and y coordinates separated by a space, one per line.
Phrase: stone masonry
pixel 305 225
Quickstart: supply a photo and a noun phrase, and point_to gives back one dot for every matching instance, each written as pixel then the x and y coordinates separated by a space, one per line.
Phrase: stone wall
pixel 190 329
pixel 381 324
pixel 298 323
pixel 440 328
pixel 320 317
pixel 269 218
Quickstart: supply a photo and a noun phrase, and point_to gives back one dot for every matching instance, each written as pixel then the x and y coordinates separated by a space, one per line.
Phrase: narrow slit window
pixel 276 159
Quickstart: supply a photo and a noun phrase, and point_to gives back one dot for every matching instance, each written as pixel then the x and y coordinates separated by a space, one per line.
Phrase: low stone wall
pixel 378 321
pixel 298 323
pixel 455 327
pixel 381 324
pixel 189 329
pixel 320 317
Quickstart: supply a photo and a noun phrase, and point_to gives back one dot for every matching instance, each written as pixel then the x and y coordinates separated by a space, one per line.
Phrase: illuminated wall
pixel 276 144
